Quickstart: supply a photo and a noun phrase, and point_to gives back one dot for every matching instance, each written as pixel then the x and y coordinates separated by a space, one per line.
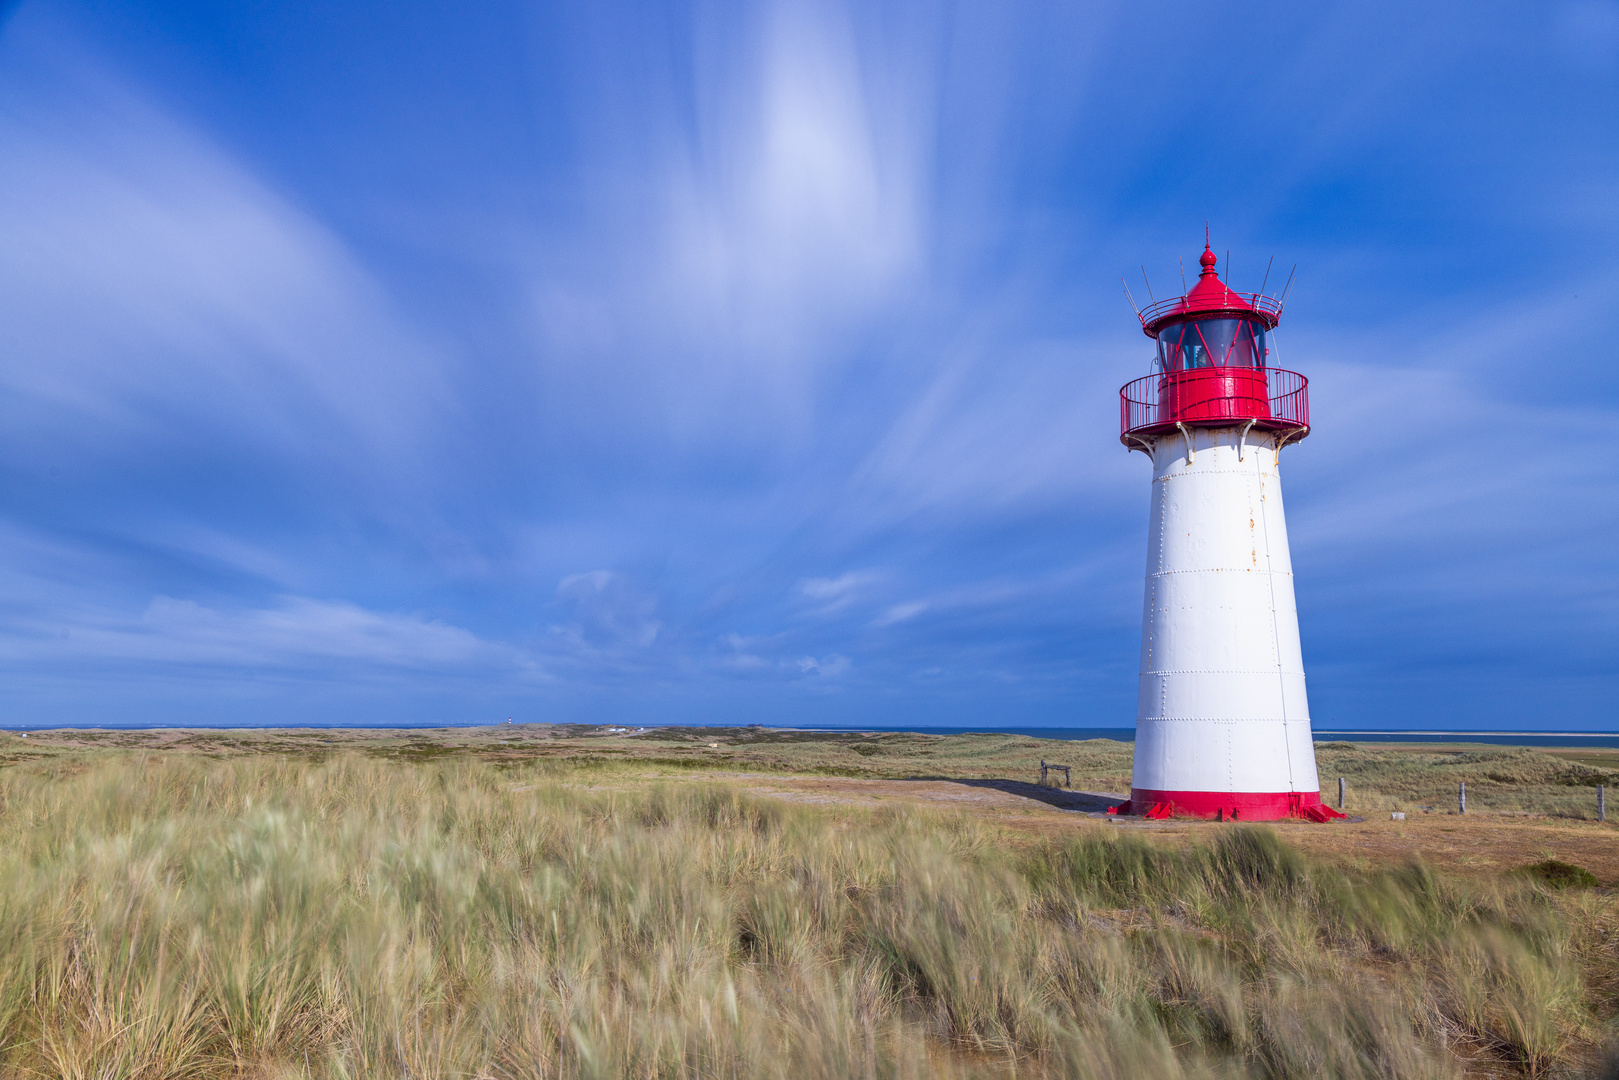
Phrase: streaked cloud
pixel 297 633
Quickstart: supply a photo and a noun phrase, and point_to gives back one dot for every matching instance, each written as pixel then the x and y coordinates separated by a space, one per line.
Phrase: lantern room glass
pixel 1212 343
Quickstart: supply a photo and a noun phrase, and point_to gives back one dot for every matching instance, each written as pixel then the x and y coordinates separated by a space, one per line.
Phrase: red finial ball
pixel 1208 260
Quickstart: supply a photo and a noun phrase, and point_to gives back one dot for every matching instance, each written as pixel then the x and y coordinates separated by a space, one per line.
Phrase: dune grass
pixel 355 917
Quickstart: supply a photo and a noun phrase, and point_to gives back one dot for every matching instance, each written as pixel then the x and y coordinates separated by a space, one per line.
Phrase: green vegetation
pixel 1561 875
pixel 374 916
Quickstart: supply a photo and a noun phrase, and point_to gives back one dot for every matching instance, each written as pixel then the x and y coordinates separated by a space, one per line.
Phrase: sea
pixel 1572 740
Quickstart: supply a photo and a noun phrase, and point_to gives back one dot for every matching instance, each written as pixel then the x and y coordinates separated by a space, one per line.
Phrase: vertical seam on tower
pixel 1275 630
pixel 1163 684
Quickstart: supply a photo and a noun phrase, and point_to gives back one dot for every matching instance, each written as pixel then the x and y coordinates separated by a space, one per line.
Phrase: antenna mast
pixel 1281 301
pixel 1131 298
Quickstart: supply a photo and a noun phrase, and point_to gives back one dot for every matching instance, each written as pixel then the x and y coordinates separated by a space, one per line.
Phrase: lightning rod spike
pixel 1131 298
pixel 1282 300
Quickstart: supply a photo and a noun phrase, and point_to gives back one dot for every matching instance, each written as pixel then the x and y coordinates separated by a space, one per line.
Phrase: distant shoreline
pixel 1568 739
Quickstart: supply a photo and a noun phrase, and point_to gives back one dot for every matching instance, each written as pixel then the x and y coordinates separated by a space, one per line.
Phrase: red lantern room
pixel 1212 367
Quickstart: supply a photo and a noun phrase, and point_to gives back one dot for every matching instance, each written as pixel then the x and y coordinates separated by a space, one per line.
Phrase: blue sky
pixel 715 363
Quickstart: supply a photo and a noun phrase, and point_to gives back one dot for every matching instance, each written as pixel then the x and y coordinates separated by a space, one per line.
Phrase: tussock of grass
pixel 368 918
pixel 1561 875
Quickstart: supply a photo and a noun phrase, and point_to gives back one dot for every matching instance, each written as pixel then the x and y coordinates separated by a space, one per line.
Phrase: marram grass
pixel 266 917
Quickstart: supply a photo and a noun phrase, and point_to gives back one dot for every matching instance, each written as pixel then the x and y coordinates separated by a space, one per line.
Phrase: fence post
pixel 1461 796
pixel 1043 772
pixel 1340 793
pixel 1602 802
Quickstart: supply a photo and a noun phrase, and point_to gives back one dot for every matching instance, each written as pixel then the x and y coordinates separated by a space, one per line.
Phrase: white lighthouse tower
pixel 1222 723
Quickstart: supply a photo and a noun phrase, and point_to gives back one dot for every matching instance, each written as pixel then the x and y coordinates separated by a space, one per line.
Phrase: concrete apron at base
pixel 1222 720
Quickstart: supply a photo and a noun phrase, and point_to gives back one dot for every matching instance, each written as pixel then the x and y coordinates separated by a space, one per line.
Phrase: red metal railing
pixel 1274 399
pixel 1175 305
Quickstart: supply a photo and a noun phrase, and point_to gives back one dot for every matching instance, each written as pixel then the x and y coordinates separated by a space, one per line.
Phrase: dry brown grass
pixel 1500 779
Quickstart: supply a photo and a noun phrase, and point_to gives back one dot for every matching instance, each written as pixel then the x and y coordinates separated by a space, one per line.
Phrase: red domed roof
pixel 1210 297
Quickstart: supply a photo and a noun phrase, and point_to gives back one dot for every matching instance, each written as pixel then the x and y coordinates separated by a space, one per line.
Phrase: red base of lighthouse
pixel 1227 805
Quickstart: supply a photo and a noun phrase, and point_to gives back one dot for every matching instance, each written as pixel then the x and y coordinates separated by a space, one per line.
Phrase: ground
pixel 93 815
pixel 1524 804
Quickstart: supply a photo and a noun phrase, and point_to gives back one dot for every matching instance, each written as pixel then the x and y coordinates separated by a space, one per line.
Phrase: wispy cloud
pixel 772 229
pixel 159 295
pixel 607 612
pixel 830 595
pixel 828 667
pixel 297 633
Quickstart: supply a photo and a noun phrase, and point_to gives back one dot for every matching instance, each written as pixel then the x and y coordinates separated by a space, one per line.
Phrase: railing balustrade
pixel 1176 305
pixel 1274 398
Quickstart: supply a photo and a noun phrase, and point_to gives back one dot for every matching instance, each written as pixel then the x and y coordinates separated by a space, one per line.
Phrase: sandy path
pixel 1476 844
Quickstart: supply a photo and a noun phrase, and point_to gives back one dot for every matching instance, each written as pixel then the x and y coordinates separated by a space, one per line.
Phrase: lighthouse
pixel 1222 721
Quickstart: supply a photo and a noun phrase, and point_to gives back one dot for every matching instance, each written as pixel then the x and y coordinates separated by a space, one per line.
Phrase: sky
pixel 713 363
